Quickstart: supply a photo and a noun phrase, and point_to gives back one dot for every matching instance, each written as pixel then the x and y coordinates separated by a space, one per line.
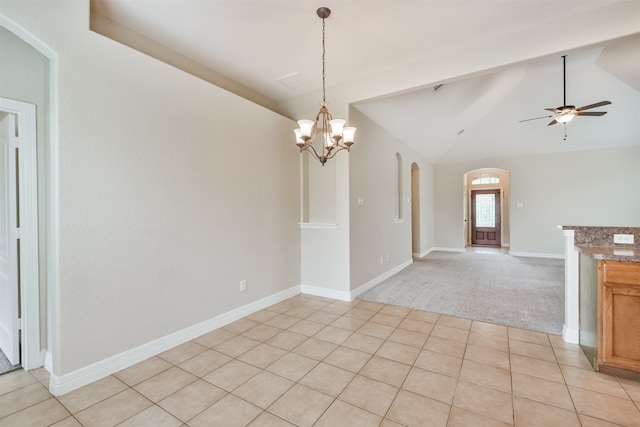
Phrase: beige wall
pixel 375 233
pixel 167 199
pixel 595 187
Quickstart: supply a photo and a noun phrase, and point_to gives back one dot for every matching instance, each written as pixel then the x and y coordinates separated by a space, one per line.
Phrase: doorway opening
pixel 19 282
pixel 486 208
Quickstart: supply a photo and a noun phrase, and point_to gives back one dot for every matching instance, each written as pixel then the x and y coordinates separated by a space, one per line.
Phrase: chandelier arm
pixel 312 151
pixel 341 147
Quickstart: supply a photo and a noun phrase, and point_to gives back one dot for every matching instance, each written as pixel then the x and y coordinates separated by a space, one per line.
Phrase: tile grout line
pixel 383 341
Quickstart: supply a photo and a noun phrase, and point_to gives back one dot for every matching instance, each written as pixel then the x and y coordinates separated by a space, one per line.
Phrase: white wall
pixel 168 198
pixel 592 188
pixel 375 233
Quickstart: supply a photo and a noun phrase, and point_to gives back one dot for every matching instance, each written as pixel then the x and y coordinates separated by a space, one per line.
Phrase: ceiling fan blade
pixel 590 113
pixel 535 118
pixel 597 104
pixel 553 122
pixel 555 110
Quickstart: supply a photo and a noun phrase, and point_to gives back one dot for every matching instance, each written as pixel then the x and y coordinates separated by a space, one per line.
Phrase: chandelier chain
pixel 324 100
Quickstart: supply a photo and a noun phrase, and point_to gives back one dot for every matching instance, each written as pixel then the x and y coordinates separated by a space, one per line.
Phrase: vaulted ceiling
pixel 498 62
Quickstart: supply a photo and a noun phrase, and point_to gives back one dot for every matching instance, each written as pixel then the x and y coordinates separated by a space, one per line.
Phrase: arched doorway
pixel 486 207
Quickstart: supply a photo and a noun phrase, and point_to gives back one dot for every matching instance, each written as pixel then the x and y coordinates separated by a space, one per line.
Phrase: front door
pixel 8 242
pixel 485 217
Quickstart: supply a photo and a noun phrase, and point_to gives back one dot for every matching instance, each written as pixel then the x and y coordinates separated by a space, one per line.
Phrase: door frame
pixel 31 356
pixel 472 213
pixel 505 199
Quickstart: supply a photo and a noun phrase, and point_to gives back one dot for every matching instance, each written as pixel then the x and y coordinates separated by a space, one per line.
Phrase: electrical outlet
pixel 381 261
pixel 625 239
pixel 243 285
pixel 388 257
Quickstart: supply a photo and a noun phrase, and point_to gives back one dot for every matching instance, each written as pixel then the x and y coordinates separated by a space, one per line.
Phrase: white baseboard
pixel 447 249
pixel 570 335
pixel 536 255
pixel 319 291
pixel 63 384
pixel 376 281
pixel 421 254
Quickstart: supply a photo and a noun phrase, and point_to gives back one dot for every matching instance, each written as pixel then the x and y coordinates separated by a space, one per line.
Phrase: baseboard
pixel 447 249
pixel 63 384
pixel 536 255
pixel 319 291
pixel 570 335
pixel 422 254
pixel 381 278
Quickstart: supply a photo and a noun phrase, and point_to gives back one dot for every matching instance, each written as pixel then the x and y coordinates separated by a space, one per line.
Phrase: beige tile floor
pixel 311 361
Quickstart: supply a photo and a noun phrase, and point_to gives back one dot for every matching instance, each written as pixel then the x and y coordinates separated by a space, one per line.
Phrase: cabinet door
pixel 620 315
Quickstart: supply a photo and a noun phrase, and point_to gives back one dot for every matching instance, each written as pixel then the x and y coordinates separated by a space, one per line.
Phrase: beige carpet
pixel 5 365
pixel 498 288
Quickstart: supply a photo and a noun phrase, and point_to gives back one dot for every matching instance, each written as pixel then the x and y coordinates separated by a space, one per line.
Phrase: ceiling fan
pixel 566 113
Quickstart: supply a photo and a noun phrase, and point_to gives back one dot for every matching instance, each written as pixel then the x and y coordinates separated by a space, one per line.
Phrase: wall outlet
pixel 625 239
pixel 243 285
pixel 388 257
pixel 381 261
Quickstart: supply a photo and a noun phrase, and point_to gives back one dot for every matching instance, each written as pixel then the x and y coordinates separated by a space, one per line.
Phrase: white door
pixel 9 323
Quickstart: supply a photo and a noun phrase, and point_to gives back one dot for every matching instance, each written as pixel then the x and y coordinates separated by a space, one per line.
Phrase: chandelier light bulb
pixel 306 128
pixel 299 140
pixel 336 126
pixel 347 135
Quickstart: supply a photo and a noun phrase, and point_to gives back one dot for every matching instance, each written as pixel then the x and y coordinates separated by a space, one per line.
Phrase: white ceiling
pixel 486 94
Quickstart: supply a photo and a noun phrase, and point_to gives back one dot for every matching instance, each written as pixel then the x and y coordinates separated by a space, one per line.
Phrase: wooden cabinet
pixel 619 317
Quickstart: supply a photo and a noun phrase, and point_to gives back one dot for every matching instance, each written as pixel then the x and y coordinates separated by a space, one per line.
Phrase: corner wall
pixel 375 230
pixel 167 198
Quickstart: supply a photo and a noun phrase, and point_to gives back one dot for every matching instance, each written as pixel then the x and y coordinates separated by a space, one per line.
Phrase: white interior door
pixel 9 312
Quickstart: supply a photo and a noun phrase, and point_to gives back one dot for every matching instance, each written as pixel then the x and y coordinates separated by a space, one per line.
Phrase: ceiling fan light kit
pixel 335 136
pixel 566 113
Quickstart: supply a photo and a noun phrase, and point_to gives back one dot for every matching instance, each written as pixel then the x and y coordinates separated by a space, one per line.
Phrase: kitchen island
pixel 609 298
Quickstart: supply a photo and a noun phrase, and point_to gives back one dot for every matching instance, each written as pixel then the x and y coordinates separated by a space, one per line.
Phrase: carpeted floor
pixel 5 365
pixel 498 288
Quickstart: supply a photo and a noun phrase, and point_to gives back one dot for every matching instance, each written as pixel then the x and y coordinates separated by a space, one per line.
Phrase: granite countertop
pixel 611 253
pixel 598 242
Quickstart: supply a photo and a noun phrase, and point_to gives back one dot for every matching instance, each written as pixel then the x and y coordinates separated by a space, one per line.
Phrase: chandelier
pixel 335 136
